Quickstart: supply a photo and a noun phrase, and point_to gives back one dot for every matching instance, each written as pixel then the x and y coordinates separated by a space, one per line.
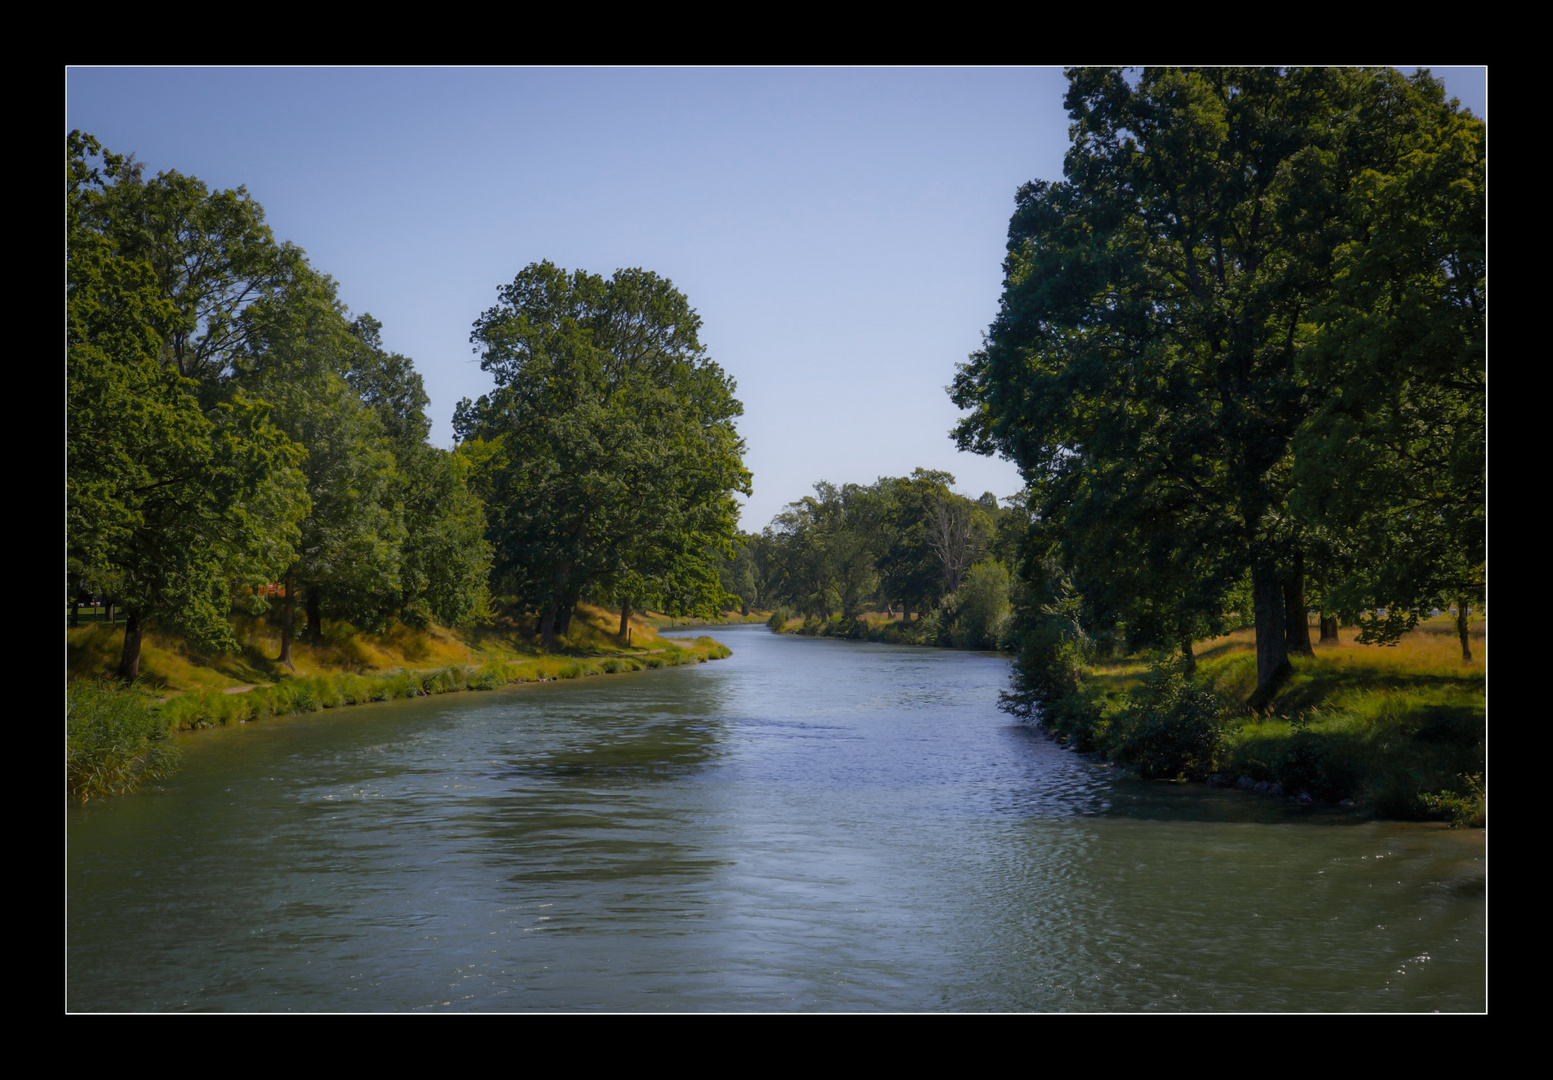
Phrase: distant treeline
pixel 906 547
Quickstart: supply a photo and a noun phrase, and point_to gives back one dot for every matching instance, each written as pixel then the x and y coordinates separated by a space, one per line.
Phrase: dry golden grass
pixel 1430 654
pixel 169 665
pixel 1427 659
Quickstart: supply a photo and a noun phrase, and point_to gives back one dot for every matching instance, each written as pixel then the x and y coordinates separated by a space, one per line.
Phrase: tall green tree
pixel 610 453
pixel 1391 463
pixel 830 544
pixel 297 354
pixel 911 569
pixel 176 502
pixel 1149 369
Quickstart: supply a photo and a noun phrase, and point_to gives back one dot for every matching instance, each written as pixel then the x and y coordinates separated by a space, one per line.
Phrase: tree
pixel 212 257
pixel 174 502
pixel 830 544
pixel 1149 369
pixel 1391 464
pixel 611 456
pixel 911 568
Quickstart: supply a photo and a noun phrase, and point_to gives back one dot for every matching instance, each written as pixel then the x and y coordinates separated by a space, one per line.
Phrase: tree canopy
pixel 607 451
pixel 1249 283
pixel 169 503
pixel 229 425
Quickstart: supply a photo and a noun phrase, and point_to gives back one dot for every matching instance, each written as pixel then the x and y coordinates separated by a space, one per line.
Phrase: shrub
pixel 114 741
pixel 1468 810
pixel 1170 726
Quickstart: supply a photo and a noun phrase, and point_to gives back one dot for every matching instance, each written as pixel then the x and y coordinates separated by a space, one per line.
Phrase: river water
pixel 806 826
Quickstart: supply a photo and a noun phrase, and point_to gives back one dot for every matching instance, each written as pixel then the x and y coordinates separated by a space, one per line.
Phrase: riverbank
pixel 1400 732
pixel 883 628
pixel 116 737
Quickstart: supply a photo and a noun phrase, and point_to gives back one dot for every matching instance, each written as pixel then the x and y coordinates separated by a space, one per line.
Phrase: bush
pixel 1321 753
pixel 114 741
pixel 1462 810
pixel 1170 726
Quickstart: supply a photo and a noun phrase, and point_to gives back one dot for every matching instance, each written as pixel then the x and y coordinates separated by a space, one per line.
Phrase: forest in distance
pixel 1239 360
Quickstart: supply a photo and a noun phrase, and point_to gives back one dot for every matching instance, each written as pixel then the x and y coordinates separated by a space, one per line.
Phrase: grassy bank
pixel 116 736
pixel 1398 731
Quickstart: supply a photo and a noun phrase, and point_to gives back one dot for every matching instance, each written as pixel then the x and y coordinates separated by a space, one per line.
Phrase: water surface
pixel 806 826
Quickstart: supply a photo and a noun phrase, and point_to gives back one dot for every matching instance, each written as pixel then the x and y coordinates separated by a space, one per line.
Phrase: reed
pixel 115 740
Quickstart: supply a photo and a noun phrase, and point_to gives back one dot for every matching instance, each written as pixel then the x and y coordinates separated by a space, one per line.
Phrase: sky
pixel 840 231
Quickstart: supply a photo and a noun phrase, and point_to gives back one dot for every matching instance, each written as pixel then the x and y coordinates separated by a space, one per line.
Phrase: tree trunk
pixel 1461 630
pixel 547 625
pixel 315 619
pixel 1186 653
pixel 1296 614
pixel 1272 639
pixel 1328 629
pixel 557 618
pixel 107 611
pixel 75 612
pixel 625 621
pixel 286 622
pixel 129 660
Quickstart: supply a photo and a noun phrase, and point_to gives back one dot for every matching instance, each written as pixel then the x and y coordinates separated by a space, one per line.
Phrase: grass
pixel 1401 730
pixel 115 739
pixel 187 689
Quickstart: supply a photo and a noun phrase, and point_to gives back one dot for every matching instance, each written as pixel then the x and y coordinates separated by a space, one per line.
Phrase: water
pixel 806 826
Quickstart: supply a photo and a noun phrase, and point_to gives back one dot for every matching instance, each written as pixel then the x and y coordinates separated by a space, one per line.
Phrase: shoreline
pixel 198 709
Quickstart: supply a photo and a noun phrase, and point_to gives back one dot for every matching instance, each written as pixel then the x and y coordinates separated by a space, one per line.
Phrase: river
pixel 807 826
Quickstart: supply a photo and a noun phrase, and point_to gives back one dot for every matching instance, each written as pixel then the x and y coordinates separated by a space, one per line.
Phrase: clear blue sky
pixel 840 231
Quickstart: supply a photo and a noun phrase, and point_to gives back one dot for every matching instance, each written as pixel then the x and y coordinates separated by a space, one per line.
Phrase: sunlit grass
pixel 1401 729
pixel 350 666
pixel 1426 659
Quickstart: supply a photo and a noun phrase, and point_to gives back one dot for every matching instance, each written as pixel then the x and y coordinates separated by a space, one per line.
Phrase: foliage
pixel 609 454
pixel 1391 463
pixel 1197 324
pixel 905 543
pixel 169 502
pixel 981 607
pixel 1171 725
pixel 115 740
pixel 1464 809
pixel 1054 650
pixel 211 257
pixel 230 425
